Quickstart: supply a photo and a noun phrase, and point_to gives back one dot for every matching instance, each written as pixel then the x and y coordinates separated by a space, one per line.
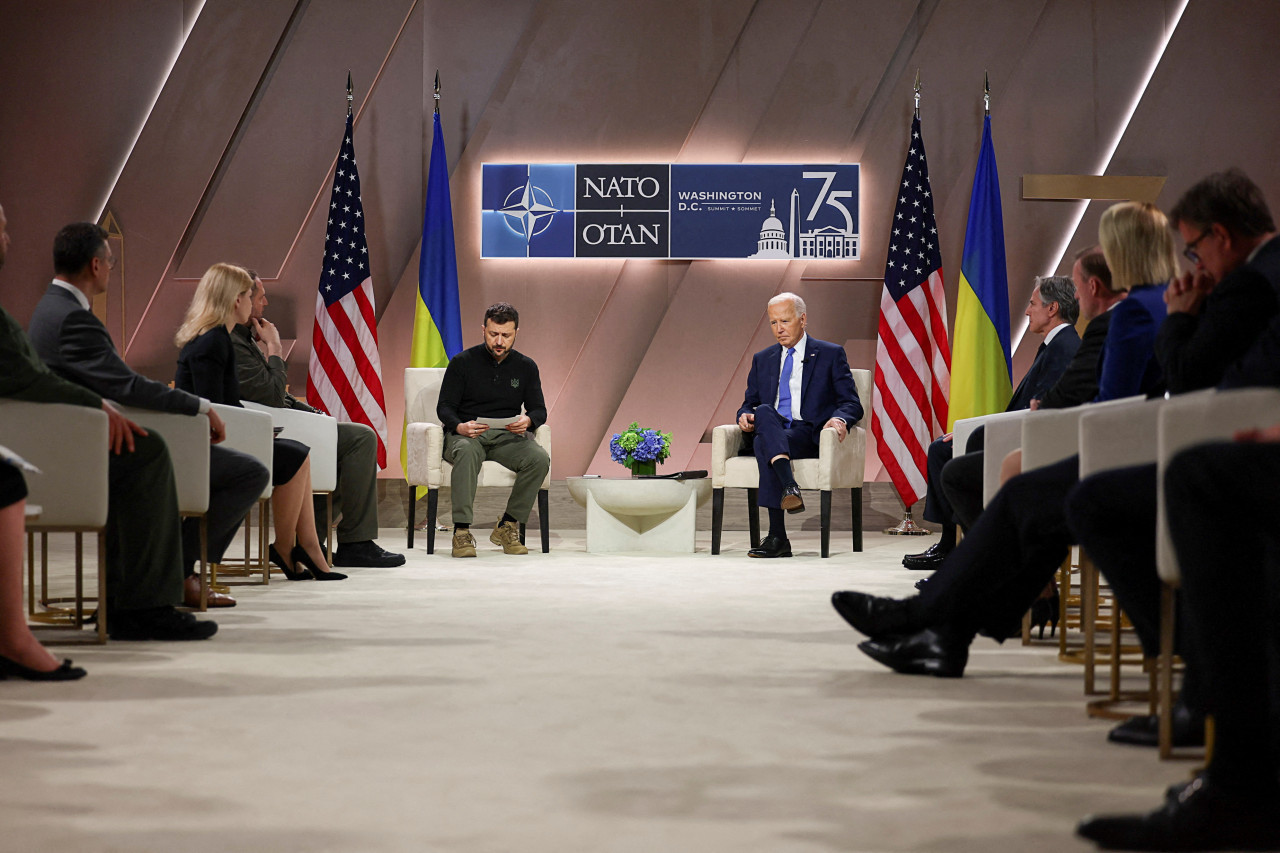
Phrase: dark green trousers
pixel 518 453
pixel 144 537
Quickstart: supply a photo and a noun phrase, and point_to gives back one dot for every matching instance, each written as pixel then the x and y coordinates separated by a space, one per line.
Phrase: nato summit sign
pixel 610 210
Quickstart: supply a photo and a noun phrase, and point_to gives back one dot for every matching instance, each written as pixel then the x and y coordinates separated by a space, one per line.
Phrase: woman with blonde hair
pixel 1138 245
pixel 207 367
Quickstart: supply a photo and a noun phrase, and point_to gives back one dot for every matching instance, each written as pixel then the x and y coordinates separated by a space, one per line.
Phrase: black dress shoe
pixel 294 574
pixel 927 560
pixel 772 546
pixel 791 499
pixel 1202 816
pixel 366 555
pixel 925 652
pixel 158 623
pixel 13 669
pixel 1188 729
pixel 302 558
pixel 876 616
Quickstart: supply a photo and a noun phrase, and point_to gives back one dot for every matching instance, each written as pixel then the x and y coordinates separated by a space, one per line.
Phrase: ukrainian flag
pixel 981 369
pixel 437 321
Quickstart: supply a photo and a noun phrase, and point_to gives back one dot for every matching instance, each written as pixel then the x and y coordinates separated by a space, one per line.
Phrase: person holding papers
pixel 490 405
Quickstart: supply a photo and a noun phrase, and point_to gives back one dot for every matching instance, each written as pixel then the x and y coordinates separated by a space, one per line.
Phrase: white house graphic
pixel 826 242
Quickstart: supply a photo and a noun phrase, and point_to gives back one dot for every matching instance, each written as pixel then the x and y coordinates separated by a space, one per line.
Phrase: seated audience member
pixel 796 388
pixel 1218 314
pixel 76 346
pixel 21 654
pixel 144 537
pixel 1006 561
pixel 263 379
pixel 207 367
pixel 1229 585
pixel 1051 312
pixel 493 380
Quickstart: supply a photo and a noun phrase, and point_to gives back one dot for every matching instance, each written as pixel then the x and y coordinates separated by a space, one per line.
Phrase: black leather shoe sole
pixel 761 552
pixel 922 564
pixel 1145 731
pixel 907 664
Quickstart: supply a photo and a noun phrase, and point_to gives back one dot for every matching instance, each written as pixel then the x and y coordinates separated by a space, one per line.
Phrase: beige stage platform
pixel 566 703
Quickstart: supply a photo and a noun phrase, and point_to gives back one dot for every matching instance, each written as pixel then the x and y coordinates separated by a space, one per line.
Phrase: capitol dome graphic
pixel 775 243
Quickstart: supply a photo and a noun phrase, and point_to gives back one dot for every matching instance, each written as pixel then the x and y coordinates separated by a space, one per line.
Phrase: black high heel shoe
pixel 301 556
pixel 1045 611
pixel 293 574
pixel 66 672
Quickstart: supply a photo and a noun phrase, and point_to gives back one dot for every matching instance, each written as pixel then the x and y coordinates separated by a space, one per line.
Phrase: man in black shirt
pixel 492 380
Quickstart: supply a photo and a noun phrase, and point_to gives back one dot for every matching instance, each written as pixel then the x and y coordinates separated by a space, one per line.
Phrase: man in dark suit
pixel 75 345
pixel 796 388
pixel 1051 311
pixel 144 540
pixel 263 379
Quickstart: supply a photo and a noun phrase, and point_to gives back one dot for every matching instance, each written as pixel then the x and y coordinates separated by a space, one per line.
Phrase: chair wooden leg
pixel 855 497
pixel 328 526
pixel 824 502
pixel 1089 619
pixel 544 523
pixel 204 562
pixel 1165 670
pixel 717 518
pixel 102 586
pixel 411 511
pixel 433 497
pixel 753 516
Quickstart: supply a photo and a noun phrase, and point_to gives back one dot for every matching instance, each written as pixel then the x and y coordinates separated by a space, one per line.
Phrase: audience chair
pixel 69 446
pixel 188 440
pixel 839 465
pixel 1117 437
pixel 1187 420
pixel 424 439
pixel 320 433
pixel 250 432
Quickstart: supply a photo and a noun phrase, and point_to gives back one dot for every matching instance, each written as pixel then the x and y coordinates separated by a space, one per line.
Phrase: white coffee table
pixel 625 514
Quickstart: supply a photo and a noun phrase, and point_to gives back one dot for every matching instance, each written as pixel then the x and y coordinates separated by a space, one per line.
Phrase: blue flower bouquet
pixel 640 448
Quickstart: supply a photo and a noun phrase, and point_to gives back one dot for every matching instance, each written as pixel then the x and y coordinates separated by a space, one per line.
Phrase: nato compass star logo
pixel 527 210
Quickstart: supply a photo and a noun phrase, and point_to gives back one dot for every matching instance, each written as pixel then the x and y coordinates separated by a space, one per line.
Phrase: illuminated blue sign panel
pixel 749 212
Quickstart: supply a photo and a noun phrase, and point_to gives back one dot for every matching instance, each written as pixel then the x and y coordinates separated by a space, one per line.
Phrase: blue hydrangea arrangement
pixel 640 448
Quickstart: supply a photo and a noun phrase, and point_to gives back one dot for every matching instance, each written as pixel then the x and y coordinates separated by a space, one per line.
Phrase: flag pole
pixel 907 526
pixel 350 97
pixel 436 95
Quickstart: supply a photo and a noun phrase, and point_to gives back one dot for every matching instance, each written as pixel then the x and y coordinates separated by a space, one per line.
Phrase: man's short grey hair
pixel 1060 289
pixel 795 301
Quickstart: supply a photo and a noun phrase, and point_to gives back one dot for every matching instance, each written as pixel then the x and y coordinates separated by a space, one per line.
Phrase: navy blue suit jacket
pixel 826 383
pixel 1048 367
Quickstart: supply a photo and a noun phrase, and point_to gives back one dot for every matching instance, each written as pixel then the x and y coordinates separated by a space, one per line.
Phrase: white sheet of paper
pixel 496 423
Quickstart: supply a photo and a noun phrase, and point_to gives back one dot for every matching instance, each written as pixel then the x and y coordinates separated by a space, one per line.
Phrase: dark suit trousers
pixel 236 481
pixel 937 508
pixel 775 437
pixel 1009 555
pixel 962 484
pixel 356 497
pixel 1113 517
pixel 1231 595
pixel 144 539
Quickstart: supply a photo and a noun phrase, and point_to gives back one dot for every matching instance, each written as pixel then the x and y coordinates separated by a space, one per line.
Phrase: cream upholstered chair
pixel 839 465
pixel 188 440
pixel 1185 421
pixel 320 433
pixel 424 438
pixel 250 432
pixel 69 445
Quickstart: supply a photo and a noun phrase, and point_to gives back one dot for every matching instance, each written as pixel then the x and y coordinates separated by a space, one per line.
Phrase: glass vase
pixel 640 468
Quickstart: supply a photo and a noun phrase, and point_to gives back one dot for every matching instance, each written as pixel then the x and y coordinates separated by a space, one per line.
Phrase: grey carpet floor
pixel 560 702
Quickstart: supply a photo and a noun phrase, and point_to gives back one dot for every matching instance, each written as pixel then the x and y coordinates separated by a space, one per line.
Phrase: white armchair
pixel 188 440
pixel 839 465
pixel 320 433
pixel 424 438
pixel 69 445
pixel 250 432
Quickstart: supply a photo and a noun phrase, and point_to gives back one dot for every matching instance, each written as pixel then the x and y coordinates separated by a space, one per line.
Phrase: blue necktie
pixel 784 386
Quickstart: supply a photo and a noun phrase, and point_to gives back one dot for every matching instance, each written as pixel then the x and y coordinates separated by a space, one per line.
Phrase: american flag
pixel 344 377
pixel 913 359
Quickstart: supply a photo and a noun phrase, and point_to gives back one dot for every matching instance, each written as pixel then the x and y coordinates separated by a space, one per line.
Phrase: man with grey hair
pixel 1051 311
pixel 796 388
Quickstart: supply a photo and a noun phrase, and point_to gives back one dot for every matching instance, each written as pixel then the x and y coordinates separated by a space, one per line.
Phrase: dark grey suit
pixel 76 346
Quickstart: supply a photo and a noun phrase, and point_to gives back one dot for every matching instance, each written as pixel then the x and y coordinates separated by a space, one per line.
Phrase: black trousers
pixel 1231 596
pixel 1010 554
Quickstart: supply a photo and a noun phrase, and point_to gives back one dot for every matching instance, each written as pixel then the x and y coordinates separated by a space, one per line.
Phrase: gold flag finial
pixel 917 93
pixel 437 92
